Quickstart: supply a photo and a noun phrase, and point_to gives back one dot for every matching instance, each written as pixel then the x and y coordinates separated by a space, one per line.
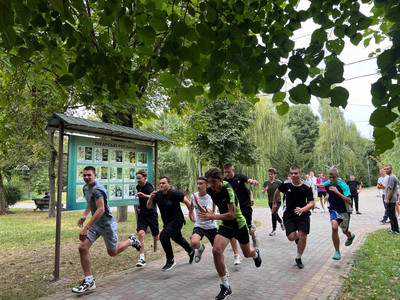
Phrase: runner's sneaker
pixel 199 252
pixel 85 286
pixel 224 293
pixel 141 263
pixel 257 260
pixel 255 240
pixel 191 256
pixel 337 255
pixel 273 233
pixel 350 241
pixel 282 226
pixel 169 265
pixel 238 259
pixel 299 263
pixel 383 222
pixel 135 242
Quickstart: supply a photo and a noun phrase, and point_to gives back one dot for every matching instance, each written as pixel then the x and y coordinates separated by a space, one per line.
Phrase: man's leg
pixel 195 241
pixel 141 236
pixel 392 215
pixel 335 234
pixel 355 196
pixel 165 236
pixel 321 200
pixel 220 243
pixel 84 254
pixel 122 246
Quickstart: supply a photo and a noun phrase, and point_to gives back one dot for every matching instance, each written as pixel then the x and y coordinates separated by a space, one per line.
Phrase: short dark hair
pixel 320 172
pixel 228 166
pixel 214 173
pixel 142 172
pixel 166 177
pixel 204 178
pixel 90 168
pixel 294 167
pixel 272 170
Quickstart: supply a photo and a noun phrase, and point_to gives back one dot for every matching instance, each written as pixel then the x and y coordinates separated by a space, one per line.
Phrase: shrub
pixel 13 192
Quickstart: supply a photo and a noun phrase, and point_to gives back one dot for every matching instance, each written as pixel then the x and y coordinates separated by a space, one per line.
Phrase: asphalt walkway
pixel 277 278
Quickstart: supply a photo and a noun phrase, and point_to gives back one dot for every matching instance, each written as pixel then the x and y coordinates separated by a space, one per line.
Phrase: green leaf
pixel 319 36
pixel 25 52
pixel 146 35
pixel 188 93
pixel 58 5
pixel 180 29
pixel 126 24
pixel 356 39
pixel 319 88
pixel 339 96
pixel 274 85
pixel 282 109
pixel 168 81
pixel 287 45
pixel 300 94
pixel 383 135
pixel 334 71
pixel 386 59
pixel 378 90
pixel 159 22
pixel 66 80
pixel 335 46
pixel 382 117
pixel 298 68
pixel 278 97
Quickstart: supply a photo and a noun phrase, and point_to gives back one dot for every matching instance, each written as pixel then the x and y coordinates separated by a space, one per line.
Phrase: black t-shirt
pixel 295 195
pixel 147 189
pixel 169 206
pixel 353 185
pixel 237 183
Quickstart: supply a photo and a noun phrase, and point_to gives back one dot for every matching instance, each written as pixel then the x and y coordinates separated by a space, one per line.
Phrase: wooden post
pixel 59 201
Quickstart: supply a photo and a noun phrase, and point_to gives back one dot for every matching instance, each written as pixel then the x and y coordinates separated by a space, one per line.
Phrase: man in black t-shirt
pixel 298 200
pixel 238 184
pixel 355 189
pixel 146 217
pixel 168 201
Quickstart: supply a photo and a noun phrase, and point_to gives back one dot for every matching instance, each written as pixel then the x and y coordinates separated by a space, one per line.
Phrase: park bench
pixel 41 203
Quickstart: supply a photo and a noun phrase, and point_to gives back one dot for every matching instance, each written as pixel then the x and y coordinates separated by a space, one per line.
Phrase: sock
pixel 89 278
pixel 256 254
pixel 224 280
pixel 141 256
pixel 298 255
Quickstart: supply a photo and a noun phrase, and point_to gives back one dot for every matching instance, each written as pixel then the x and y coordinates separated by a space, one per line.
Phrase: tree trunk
pixel 52 175
pixel 122 213
pixel 3 206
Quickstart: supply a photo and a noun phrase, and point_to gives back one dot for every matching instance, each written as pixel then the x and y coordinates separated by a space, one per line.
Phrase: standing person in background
pixel 321 190
pixel 270 187
pixel 355 189
pixel 102 223
pixel 296 217
pixel 237 182
pixel 146 217
pixel 314 184
pixel 382 183
pixel 391 199
pixel 169 203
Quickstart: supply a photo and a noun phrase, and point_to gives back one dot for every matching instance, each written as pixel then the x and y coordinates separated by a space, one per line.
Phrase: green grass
pixel 27 253
pixel 376 270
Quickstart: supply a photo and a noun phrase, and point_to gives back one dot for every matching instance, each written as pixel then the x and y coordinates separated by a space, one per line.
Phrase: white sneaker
pixel 198 253
pixel 85 286
pixel 238 259
pixel 273 233
pixel 255 241
pixel 141 263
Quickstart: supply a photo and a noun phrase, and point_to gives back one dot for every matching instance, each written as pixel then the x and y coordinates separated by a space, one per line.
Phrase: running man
pixel 355 189
pixel 339 209
pixel 296 210
pixel 321 190
pixel 168 201
pixel 237 182
pixel 146 217
pixel 270 186
pixel 102 223
pixel 233 226
pixel 202 202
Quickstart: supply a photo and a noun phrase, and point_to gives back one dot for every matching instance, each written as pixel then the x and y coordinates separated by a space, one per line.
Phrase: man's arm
pixel 343 197
pixel 83 218
pixel 190 208
pixel 230 215
pixel 97 215
pixel 359 189
pixel 276 195
pixel 252 181
pixel 300 210
pixel 149 203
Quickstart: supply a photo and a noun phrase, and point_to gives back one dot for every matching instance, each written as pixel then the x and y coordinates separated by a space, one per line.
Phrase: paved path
pixel 277 278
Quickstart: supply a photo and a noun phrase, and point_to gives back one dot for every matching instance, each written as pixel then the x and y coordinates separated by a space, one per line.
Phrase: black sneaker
pixel 358 213
pixel 299 263
pixel 224 293
pixel 191 256
pixel 169 265
pixel 257 261
pixel 85 286
pixel 135 242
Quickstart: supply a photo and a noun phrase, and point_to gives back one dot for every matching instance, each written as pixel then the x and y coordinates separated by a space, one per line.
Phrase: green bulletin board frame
pixel 116 165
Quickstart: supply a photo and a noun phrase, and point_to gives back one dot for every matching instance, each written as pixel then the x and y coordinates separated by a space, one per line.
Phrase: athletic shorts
pixel 209 233
pixel 148 220
pixel 241 234
pixel 321 194
pixel 248 215
pixel 294 222
pixel 108 232
pixel 342 218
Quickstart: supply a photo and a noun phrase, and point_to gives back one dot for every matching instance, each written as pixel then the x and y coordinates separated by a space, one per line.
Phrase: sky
pixel 357 64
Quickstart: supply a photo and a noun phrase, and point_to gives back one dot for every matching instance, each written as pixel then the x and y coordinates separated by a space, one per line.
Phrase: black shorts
pixel 294 222
pixel 148 220
pixel 247 213
pixel 321 194
pixel 241 234
pixel 209 233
